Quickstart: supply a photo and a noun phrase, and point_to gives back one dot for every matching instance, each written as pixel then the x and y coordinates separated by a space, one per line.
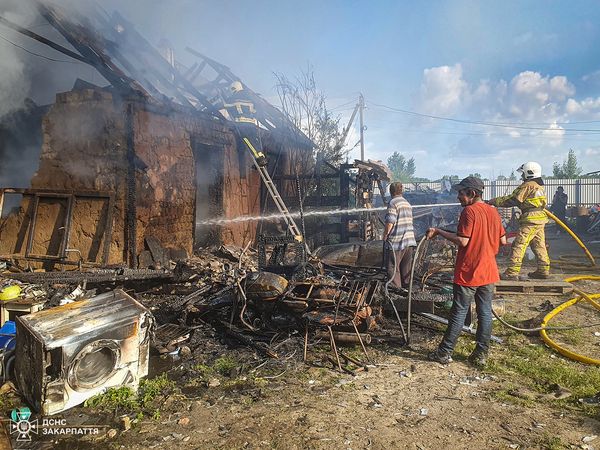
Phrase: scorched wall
pixel 90 138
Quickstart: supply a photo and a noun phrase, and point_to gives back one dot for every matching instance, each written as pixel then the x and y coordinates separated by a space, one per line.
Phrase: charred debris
pixel 118 227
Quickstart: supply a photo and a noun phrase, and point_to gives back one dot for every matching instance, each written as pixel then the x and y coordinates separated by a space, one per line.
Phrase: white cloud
pixel 443 89
pixel 555 132
pixel 588 108
pixel 530 99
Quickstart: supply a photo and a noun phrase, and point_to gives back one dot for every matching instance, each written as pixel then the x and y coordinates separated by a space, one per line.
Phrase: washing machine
pixel 67 354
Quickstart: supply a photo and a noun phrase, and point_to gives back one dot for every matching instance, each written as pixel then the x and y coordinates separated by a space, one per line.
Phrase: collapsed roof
pixel 135 68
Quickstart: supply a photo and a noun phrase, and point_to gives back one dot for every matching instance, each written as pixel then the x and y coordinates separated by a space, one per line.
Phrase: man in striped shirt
pixel 399 237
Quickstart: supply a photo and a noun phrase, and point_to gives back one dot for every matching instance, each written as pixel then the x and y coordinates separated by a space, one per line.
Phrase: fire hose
pixel 582 296
pixel 544 328
pixel 573 235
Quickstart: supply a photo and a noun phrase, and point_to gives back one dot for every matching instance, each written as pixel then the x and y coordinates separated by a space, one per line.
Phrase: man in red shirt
pixel 478 236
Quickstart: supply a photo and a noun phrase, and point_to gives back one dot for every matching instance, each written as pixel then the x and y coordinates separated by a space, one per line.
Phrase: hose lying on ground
pixel 582 296
pixel 573 235
pixel 544 328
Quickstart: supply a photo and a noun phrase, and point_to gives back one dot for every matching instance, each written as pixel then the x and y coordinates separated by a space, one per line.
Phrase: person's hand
pixel 431 233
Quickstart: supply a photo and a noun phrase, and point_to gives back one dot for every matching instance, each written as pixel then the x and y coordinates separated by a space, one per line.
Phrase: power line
pixel 342 105
pixel 37 54
pixel 478 122
pixel 458 132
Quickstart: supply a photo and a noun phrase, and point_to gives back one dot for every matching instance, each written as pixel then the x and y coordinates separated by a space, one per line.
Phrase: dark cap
pixel 469 183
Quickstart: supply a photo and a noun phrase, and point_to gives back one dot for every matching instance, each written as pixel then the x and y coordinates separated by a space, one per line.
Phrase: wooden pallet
pixel 541 287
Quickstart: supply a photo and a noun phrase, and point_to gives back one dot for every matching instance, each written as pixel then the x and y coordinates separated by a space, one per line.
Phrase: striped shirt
pixel 399 212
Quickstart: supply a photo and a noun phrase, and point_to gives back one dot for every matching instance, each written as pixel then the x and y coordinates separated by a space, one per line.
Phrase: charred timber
pixel 43 40
pixel 345 338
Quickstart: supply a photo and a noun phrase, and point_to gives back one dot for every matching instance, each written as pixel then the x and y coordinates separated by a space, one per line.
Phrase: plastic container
pixel 8 335
pixel 10 293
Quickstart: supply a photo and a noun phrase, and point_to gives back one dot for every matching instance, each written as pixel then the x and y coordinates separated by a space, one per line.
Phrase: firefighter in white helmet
pixel 530 197
pixel 241 111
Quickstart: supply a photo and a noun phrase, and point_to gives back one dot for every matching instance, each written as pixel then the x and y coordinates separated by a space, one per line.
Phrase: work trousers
pixel 534 236
pixel 463 296
pixel 400 272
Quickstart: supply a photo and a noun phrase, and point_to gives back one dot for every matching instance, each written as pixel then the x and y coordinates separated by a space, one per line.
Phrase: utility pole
pixel 361 103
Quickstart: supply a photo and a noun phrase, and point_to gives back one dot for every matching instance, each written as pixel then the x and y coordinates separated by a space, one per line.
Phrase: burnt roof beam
pixel 43 40
pixel 162 63
pixel 94 57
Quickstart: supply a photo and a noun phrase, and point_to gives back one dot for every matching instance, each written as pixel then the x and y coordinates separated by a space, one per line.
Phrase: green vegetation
pixel 550 442
pixel 401 168
pixel 536 367
pixel 568 169
pixel 244 383
pixel 224 365
pixel 224 369
pixel 122 398
pixel 125 400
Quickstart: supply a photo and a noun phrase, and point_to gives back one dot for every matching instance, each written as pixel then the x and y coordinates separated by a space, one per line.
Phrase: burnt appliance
pixel 70 353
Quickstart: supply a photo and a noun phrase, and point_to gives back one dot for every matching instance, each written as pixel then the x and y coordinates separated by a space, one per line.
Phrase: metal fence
pixel 580 192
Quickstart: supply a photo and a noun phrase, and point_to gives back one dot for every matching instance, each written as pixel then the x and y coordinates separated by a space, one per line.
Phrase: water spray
pixel 332 212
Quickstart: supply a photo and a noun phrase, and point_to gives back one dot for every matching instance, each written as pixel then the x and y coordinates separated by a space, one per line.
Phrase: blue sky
pixel 531 64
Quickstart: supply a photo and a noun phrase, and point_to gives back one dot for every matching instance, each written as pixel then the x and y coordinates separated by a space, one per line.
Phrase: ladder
pixel 273 192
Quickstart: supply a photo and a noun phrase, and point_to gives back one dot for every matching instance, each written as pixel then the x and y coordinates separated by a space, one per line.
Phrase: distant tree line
pixel 404 170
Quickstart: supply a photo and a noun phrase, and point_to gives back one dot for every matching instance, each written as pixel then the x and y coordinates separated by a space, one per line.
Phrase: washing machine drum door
pixel 94 364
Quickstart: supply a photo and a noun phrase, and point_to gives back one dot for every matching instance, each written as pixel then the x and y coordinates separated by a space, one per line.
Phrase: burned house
pixel 126 171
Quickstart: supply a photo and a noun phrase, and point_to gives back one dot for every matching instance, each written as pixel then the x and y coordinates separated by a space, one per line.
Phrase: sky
pixel 461 86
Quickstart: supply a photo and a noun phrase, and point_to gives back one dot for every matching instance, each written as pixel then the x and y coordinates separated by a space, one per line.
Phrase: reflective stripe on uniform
pixel 530 235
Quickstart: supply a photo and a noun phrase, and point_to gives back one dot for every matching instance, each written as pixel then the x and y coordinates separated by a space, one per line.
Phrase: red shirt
pixel 476 263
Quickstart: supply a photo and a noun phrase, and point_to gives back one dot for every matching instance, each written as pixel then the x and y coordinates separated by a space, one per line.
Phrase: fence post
pixel 578 192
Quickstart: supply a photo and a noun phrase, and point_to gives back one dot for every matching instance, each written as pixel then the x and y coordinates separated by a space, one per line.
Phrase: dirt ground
pixel 528 396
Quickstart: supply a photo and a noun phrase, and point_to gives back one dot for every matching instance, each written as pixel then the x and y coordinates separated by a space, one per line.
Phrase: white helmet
pixel 236 86
pixel 530 170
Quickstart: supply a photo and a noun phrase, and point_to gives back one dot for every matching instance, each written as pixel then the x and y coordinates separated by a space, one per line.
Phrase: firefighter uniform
pixel 530 197
pixel 240 109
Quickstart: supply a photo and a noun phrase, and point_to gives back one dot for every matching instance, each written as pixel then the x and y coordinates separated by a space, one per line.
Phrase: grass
pixel 125 400
pixel 549 442
pixel 573 337
pixel 244 383
pixel 538 368
pixel 223 366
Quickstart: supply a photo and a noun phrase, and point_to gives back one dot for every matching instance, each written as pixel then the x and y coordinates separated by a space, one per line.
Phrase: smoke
pixel 14 82
pixel 30 74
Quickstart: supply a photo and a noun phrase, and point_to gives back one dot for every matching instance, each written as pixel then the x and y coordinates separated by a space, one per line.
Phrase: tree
pixel 402 170
pixel 501 178
pixel 568 168
pixel 477 175
pixel 512 176
pixel 305 106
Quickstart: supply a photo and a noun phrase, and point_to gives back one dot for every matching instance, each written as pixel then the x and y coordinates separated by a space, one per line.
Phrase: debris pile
pixel 225 289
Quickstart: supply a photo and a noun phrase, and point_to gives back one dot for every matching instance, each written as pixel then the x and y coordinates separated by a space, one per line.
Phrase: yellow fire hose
pixel 573 235
pixel 582 296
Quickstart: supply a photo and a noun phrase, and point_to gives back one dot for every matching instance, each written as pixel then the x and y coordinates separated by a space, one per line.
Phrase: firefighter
pixel 530 197
pixel 240 107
